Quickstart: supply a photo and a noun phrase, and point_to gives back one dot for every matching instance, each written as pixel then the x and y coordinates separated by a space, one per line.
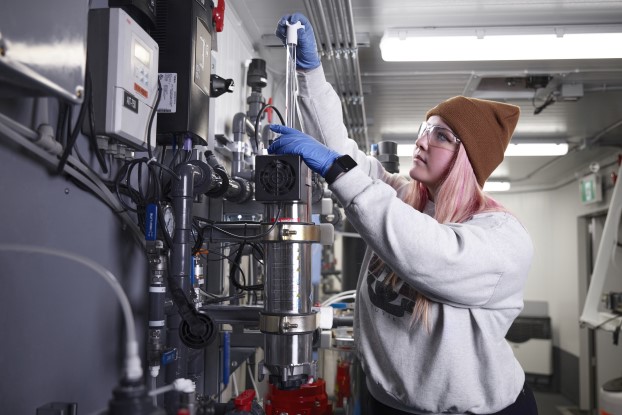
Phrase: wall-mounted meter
pixel 122 61
pixel 184 33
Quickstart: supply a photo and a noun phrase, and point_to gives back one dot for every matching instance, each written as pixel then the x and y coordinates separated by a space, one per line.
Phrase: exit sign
pixel 591 189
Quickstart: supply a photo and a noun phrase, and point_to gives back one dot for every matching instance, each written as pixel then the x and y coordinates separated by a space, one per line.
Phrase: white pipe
pixel 133 366
pixel 338 297
pixel 19 128
pixel 78 171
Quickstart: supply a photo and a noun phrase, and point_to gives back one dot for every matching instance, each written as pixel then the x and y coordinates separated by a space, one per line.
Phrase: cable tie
pixel 152 160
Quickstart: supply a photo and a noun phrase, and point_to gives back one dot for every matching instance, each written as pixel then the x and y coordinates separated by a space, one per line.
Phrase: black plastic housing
pixel 281 178
pixel 184 32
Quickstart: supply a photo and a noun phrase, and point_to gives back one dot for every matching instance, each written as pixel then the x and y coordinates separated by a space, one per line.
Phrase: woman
pixel 443 276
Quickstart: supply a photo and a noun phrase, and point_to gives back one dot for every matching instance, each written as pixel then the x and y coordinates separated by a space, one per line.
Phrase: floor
pixel 555 404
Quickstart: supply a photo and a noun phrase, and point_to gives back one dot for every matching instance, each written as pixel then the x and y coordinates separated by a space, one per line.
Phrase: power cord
pixel 142 195
pixel 87 105
pixel 260 115
pixel 154 110
pixel 550 99
pixel 210 224
pixel 235 265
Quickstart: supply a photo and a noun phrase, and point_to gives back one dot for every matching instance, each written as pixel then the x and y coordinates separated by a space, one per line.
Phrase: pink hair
pixel 459 196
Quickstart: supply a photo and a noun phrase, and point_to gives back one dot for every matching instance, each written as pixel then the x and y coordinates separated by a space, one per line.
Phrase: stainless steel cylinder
pixel 288 357
pixel 288 283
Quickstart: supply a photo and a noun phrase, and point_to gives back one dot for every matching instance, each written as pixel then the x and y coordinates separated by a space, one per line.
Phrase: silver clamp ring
pixel 293 232
pixel 288 323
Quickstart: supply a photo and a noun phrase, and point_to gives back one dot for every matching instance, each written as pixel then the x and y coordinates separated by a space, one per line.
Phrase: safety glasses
pixel 438 136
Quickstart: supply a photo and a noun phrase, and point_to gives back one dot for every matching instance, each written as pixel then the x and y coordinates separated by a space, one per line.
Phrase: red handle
pixel 218 16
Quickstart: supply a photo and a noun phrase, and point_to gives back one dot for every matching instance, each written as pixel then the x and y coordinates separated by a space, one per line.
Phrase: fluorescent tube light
pixel 405 150
pixel 520 149
pixel 501 43
pixel 494 186
pixel 536 149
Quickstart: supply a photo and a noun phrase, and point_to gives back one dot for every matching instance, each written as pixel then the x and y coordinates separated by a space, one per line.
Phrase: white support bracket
pixel 591 315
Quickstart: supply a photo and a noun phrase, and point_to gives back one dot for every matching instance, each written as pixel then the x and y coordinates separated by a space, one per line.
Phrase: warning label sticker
pixel 168 99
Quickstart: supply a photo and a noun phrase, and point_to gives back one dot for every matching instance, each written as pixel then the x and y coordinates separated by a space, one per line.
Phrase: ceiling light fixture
pixel 536 149
pixel 496 186
pixel 501 43
pixel 518 149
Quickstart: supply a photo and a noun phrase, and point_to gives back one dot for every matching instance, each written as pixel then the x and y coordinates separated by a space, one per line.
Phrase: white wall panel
pixel 551 219
pixel 235 50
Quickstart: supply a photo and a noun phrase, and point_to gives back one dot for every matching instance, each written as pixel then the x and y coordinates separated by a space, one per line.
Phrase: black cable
pixel 82 159
pixel 616 333
pixel 166 184
pixel 67 127
pixel 163 154
pixel 61 122
pixel 175 155
pixel 141 196
pixel 188 155
pixel 138 199
pixel 74 136
pixel 154 110
pixel 198 242
pixel 222 299
pixel 260 115
pixel 76 150
pixel 210 224
pixel 139 180
pixel 256 248
pixel 162 157
pixel 235 265
pixel 128 191
pixel 219 254
pixel 548 101
pixel 92 137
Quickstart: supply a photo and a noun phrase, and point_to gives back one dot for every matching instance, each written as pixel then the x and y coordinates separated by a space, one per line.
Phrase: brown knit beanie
pixel 484 127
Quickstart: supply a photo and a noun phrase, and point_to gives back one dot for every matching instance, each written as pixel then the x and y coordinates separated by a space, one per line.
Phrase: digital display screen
pixel 202 57
pixel 142 54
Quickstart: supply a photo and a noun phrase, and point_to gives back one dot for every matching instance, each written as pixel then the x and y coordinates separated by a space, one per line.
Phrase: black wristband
pixel 340 165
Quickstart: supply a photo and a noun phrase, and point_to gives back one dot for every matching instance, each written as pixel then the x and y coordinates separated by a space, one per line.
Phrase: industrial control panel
pixel 122 63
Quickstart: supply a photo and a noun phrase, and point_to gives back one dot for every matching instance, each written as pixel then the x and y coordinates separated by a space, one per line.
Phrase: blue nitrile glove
pixel 306 50
pixel 316 155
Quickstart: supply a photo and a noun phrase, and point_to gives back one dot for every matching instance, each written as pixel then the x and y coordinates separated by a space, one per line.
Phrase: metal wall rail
pixel 333 24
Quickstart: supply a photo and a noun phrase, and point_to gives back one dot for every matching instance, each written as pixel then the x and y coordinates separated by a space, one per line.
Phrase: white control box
pixel 124 58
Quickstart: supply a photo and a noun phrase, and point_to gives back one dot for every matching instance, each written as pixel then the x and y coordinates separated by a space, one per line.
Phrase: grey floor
pixel 555 404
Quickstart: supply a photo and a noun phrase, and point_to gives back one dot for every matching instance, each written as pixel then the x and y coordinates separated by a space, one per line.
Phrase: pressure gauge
pixel 169 219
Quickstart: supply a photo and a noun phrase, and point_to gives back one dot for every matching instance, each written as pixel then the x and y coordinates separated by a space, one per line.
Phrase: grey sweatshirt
pixel 473 272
